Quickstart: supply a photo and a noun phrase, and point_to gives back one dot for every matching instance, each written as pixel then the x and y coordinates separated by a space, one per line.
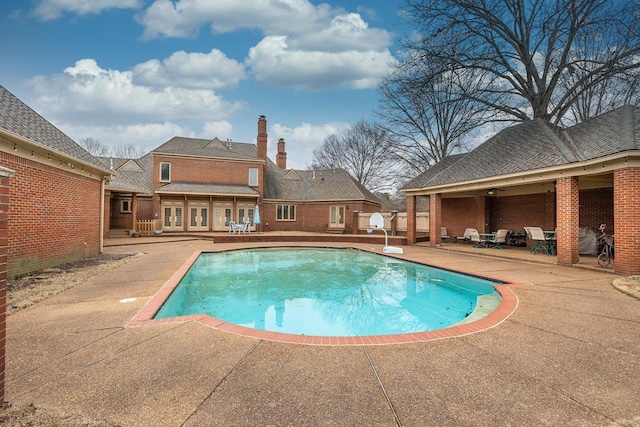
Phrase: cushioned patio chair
pixel 475 238
pixel 466 237
pixel 444 235
pixel 537 235
pixel 499 239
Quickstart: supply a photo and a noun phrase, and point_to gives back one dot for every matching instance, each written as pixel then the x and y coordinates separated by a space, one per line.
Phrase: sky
pixel 143 71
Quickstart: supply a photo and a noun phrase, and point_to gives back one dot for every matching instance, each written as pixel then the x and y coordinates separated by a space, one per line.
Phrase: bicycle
pixel 605 241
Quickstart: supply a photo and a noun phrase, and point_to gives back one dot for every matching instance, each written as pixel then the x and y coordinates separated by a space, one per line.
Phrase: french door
pixel 172 216
pixel 336 217
pixel 198 216
pixel 222 215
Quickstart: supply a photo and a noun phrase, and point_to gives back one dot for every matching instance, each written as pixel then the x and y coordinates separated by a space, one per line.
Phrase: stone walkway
pixel 567 356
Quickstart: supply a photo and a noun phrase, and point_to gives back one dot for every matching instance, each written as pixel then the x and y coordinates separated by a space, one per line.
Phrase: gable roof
pixel 129 175
pixel 314 185
pixel 21 120
pixel 179 145
pixel 535 145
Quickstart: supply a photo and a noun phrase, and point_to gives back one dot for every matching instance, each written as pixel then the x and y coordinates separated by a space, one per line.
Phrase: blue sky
pixel 142 71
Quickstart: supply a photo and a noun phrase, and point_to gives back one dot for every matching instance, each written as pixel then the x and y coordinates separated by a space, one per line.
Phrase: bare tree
pixel 94 147
pixel 526 48
pixel 363 151
pixel 128 151
pixel 422 108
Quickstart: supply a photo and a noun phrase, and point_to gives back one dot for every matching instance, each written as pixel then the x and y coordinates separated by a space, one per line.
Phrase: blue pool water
pixel 324 292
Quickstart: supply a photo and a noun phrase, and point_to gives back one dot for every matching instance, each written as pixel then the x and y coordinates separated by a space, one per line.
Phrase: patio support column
pixel 411 219
pixel 134 212
pixel 568 217
pixel 5 175
pixel 626 220
pixel 435 219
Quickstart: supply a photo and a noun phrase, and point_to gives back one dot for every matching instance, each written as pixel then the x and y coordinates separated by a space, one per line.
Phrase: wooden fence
pixel 146 227
pixel 422 221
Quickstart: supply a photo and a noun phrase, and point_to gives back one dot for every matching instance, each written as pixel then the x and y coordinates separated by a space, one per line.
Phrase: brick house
pixel 56 192
pixel 537 174
pixel 195 185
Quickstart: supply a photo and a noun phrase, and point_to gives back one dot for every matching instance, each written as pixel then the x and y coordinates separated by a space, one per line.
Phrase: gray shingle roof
pixel 535 145
pixel 140 182
pixel 208 189
pixel 207 147
pixel 20 119
pixel 318 185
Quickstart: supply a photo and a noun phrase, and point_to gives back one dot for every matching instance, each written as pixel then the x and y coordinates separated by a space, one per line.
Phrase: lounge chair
pixel 444 235
pixel 466 237
pixel 536 234
pixel 499 238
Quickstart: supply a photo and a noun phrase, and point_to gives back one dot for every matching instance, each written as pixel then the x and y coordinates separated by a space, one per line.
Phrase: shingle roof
pixel 209 189
pixel 207 147
pixel 131 180
pixel 315 185
pixel 20 119
pixel 535 145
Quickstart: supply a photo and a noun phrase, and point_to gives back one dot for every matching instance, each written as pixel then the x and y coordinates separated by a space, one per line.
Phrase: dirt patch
pixel 40 285
pixel 29 415
pixel 628 285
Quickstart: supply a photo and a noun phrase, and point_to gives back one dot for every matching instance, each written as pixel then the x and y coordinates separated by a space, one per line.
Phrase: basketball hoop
pixel 369 229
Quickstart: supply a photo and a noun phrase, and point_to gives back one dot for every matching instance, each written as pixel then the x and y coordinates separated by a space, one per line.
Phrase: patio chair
pixel 466 237
pixel 444 235
pixel 499 238
pixel 236 228
pixel 474 236
pixel 536 234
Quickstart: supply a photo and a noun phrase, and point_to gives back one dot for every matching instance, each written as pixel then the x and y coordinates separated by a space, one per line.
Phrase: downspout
pixel 101 248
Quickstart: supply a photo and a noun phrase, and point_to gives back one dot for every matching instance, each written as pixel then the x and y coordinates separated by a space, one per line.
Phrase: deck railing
pixel 147 226
pixel 422 221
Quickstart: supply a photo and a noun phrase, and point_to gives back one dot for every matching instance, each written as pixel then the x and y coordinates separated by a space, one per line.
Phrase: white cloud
pixel 164 18
pixel 90 94
pixel 222 130
pixel 300 141
pixel 147 136
pixel 274 62
pixel 52 9
pixel 211 70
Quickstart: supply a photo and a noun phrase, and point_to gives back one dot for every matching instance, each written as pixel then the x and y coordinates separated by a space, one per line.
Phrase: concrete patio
pixel 567 356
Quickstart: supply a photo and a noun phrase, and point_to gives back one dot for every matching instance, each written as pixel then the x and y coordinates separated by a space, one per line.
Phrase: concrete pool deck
pixel 568 355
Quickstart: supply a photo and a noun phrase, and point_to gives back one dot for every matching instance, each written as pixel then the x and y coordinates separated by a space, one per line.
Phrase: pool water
pixel 325 292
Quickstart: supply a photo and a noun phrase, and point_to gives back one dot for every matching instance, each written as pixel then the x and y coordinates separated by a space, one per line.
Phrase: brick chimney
pixel 281 157
pixel 261 151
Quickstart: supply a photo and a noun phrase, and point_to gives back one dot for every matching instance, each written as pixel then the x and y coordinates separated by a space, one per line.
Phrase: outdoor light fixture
pixel 490 192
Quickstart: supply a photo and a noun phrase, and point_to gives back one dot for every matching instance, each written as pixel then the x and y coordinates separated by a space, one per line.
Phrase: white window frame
pixel 253 177
pixel 280 212
pixel 169 166
pixel 122 206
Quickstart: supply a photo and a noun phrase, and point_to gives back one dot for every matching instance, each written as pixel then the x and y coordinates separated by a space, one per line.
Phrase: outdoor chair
pixel 474 237
pixel 236 228
pixel 537 235
pixel 466 237
pixel 499 238
pixel 444 235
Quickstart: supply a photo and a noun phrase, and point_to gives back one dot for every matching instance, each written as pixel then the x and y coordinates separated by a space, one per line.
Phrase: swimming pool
pixel 327 292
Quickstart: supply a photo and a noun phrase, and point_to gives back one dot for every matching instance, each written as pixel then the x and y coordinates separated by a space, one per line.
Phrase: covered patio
pixel 534 174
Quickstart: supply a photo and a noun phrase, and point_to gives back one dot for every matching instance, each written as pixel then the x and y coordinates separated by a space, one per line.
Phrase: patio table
pixel 487 238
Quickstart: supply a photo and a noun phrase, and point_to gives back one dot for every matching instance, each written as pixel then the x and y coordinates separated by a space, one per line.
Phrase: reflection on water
pixel 337 292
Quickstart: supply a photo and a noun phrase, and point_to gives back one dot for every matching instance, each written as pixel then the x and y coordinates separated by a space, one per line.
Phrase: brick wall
pixel 596 207
pixel 311 216
pixel 53 217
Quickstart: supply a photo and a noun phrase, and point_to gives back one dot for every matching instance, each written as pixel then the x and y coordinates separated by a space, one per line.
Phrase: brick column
pixel 134 212
pixel 626 220
pixel 568 220
pixel 394 222
pixel 5 176
pixel 355 221
pixel 435 219
pixel 411 219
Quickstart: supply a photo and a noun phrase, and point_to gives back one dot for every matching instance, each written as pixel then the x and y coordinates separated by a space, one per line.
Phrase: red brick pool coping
pixel 145 318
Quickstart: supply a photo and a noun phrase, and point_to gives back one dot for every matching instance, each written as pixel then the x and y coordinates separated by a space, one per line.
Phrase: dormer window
pixel 165 172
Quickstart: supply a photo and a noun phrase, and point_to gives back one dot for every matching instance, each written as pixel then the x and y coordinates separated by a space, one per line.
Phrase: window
pixel 286 212
pixel 253 177
pixel 125 205
pixel 165 172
